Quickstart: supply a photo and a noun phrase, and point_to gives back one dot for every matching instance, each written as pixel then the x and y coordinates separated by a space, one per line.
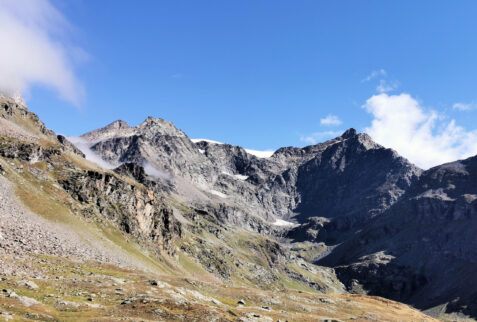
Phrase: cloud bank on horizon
pixel 35 50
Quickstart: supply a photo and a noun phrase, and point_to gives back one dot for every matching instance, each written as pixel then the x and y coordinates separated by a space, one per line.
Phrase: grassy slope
pixel 72 291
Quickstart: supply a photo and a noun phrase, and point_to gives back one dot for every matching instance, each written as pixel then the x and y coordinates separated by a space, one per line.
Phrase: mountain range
pixel 342 229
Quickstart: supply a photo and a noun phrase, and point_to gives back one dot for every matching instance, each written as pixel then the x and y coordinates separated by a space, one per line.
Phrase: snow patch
pixel 257 153
pixel 206 140
pixel 281 222
pixel 201 151
pixel 218 193
pixel 236 176
pixel 260 154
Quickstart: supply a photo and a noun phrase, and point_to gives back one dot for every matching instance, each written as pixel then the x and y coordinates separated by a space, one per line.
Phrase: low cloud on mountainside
pixel 35 50
pixel 423 136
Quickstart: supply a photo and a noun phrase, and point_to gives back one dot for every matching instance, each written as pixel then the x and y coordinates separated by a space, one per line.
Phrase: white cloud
pixel 331 120
pixel 423 136
pixel 464 106
pixel 319 136
pixel 374 74
pixel 35 50
pixel 384 86
pixel 155 172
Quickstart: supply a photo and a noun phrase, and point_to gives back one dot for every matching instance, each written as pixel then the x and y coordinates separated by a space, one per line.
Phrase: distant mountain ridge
pixel 282 186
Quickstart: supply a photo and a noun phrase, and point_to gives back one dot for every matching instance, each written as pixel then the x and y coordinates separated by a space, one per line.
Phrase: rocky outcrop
pixel 28 152
pixel 135 209
pixel 13 110
pixel 18 123
pixel 69 146
pixel 313 229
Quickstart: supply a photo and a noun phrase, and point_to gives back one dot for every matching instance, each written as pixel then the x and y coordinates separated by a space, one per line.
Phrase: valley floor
pixel 54 288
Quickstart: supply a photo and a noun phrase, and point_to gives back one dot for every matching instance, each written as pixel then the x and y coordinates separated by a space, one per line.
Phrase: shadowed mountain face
pixel 351 182
pixel 423 250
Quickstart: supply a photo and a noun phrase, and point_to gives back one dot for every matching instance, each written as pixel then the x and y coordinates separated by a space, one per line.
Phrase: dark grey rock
pixel 423 250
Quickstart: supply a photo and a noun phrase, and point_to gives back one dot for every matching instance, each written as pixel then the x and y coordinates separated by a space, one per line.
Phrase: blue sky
pixel 263 74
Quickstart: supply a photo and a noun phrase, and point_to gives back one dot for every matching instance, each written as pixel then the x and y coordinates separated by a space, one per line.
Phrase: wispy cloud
pixel 423 136
pixel 330 120
pixel 465 106
pixel 385 86
pixel 35 50
pixel 155 173
pixel 374 74
pixel 319 136
pixel 85 147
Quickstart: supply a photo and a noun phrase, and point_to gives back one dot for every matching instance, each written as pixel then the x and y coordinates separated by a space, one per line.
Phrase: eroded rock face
pixel 29 152
pixel 137 210
pixel 18 123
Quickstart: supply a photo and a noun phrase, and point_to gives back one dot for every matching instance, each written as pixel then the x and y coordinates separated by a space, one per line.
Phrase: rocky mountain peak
pixel 362 138
pixel 151 127
pixel 151 120
pixel 349 133
pixel 158 126
pixel 15 97
pixel 114 129
pixel 119 124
